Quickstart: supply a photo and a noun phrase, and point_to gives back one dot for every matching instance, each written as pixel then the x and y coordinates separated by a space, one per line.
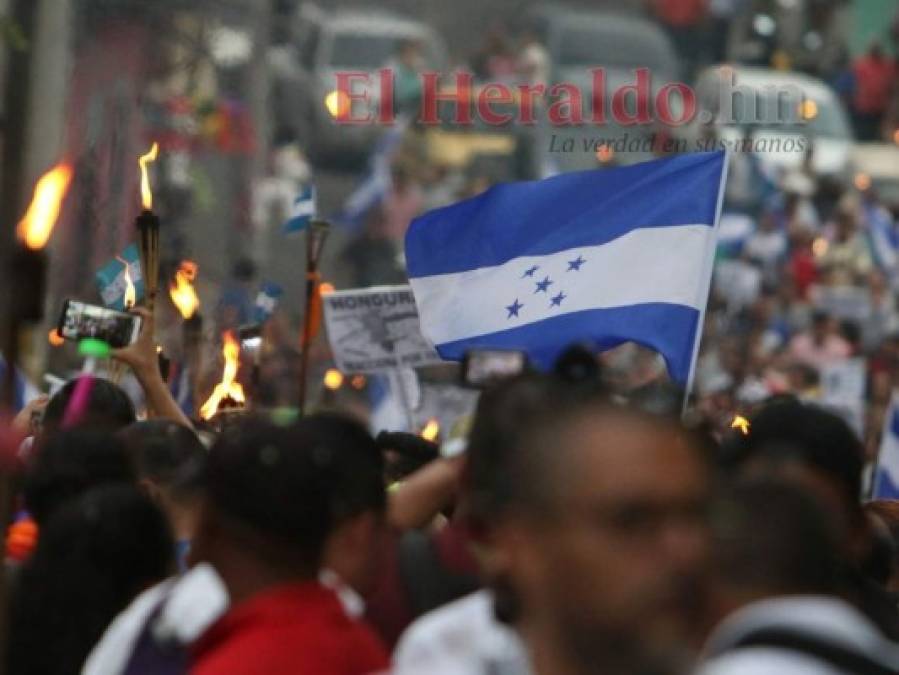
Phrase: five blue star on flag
pixel 575 265
pixel 543 286
pixel 514 308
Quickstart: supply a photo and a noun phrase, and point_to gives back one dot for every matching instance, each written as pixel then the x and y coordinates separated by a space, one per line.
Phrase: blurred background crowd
pixel 241 97
pixel 620 553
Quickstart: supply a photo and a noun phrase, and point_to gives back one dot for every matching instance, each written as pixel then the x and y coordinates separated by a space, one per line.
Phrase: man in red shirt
pixel 264 528
pixel 875 78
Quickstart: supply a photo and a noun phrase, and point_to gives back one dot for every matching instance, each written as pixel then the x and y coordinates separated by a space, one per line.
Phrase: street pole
pixel 15 107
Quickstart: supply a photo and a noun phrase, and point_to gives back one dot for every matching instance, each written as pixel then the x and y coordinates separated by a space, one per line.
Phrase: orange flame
pixel 146 194
pixel 56 340
pixel 333 379
pixel 38 221
pixel 228 386
pixel 431 430
pixel 181 290
pixel 130 292
pixel 741 423
pixel 130 298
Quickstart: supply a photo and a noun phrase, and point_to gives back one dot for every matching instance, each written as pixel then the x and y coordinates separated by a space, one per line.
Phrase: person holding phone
pixel 143 360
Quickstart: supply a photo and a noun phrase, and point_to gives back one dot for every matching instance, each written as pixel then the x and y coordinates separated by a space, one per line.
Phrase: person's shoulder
pixel 296 648
pixel 471 612
pixel 765 661
pixel 112 652
pixel 445 631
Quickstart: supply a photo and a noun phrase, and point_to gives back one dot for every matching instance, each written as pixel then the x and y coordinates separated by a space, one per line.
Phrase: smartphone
pixel 483 367
pixel 80 320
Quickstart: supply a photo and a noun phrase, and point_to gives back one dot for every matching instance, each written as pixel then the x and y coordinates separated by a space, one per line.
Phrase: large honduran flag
pixel 886 472
pixel 602 256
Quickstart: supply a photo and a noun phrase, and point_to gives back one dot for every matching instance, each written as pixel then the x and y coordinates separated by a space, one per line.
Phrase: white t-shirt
pixel 192 603
pixel 461 638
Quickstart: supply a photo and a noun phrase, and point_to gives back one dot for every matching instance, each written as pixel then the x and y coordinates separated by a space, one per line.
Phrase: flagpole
pixel 709 264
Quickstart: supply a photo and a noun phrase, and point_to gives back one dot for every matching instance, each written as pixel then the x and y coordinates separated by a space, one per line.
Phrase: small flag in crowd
pixel 266 301
pixel 111 279
pixel 302 212
pixel 605 256
pixel 882 238
pixel 886 472
pixel 376 182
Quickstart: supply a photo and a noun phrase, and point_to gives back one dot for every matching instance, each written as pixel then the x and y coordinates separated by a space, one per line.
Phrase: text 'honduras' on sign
pixel 603 256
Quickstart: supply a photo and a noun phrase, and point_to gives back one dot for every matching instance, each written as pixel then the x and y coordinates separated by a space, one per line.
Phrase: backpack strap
pixel 835 655
pixel 150 656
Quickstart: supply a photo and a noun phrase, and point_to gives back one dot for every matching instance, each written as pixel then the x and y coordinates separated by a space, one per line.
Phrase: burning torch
pixel 148 231
pixel 184 297
pixel 29 264
pixel 228 394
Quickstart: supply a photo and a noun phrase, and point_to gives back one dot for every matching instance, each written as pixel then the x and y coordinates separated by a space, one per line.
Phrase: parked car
pixel 325 43
pixel 876 166
pixel 783 111
pixel 620 43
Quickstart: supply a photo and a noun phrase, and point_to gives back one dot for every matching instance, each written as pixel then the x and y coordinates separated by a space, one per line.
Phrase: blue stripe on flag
pixel 884 486
pixel 886 474
pixel 669 329
pixel 564 212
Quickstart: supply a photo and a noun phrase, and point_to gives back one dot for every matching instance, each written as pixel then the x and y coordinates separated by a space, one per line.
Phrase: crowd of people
pixel 584 528
pixel 579 524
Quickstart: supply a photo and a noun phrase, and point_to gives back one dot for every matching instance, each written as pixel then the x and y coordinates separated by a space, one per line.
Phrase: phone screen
pixel 80 320
pixel 486 367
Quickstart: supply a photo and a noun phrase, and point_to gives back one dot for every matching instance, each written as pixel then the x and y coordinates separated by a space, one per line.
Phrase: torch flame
pixel 38 221
pixel 146 194
pixel 333 379
pixel 56 340
pixel 432 428
pixel 228 386
pixel 741 423
pixel 130 293
pixel 181 290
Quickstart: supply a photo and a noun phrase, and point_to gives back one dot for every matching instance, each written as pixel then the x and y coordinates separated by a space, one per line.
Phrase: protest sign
pixel 843 390
pixel 376 329
pixel 846 303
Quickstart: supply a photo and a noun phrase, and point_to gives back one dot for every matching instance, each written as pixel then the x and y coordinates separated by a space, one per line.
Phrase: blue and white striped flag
pixel 376 182
pixel 602 256
pixel 882 238
pixel 266 301
pixel 302 212
pixel 886 472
